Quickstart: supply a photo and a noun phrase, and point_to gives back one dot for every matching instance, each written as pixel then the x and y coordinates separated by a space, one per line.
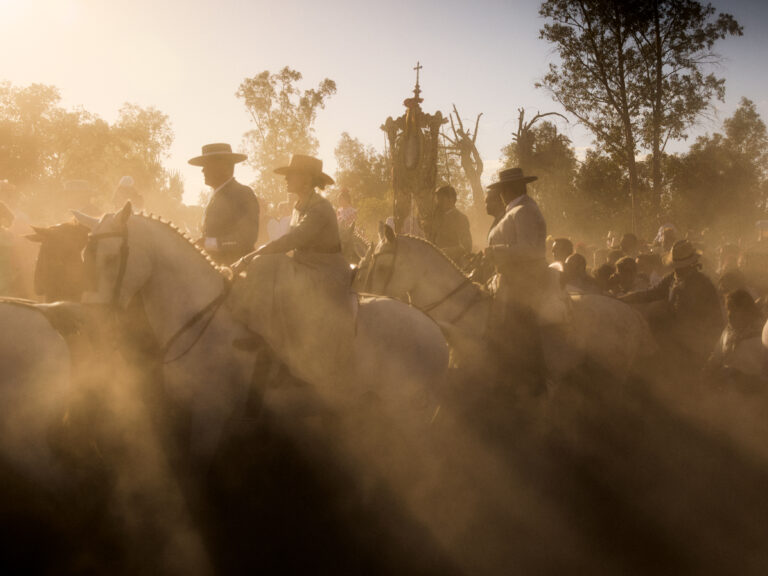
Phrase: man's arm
pixel 658 292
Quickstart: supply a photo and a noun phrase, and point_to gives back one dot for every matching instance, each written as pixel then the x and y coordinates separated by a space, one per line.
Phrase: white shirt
pixel 225 183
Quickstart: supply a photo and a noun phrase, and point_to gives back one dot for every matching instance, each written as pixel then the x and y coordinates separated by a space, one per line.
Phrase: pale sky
pixel 188 57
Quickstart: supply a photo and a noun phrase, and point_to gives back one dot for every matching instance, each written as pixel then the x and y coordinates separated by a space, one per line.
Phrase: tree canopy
pixel 43 144
pixel 634 73
pixel 283 116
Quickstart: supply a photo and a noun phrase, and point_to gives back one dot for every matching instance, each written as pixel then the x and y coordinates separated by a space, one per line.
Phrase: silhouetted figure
pixel 561 249
pixel 8 266
pixel 626 278
pixel 518 249
pixel 575 277
pixel 629 244
pixel 126 192
pixel 739 356
pixel 451 227
pixel 231 221
pixel 494 206
pixel 688 310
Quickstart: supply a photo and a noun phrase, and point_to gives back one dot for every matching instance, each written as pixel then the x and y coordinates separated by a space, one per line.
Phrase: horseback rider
pixel 451 227
pixel 231 220
pixel 517 247
pixel 314 229
pixel 316 279
pixel 517 243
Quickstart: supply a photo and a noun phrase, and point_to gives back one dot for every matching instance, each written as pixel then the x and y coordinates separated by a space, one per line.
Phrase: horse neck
pixel 182 282
pixel 428 273
pixel 434 280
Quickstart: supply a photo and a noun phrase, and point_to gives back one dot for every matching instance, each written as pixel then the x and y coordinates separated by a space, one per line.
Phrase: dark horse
pixel 59 268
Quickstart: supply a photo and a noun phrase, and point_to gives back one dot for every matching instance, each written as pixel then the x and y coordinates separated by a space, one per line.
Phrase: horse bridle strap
pixel 212 307
pixel 391 273
pixel 123 260
pixel 462 284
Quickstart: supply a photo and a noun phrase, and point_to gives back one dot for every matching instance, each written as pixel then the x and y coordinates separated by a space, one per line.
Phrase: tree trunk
pixel 657 113
pixel 629 136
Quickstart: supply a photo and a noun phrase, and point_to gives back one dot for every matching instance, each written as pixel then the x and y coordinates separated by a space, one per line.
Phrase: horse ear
pixel 87 221
pixel 389 234
pixel 125 212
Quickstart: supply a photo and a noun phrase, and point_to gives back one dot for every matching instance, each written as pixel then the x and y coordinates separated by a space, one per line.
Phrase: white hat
pixel 126 182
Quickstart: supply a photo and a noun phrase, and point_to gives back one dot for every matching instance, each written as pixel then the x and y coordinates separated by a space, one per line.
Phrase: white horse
pixel 35 374
pixel 607 331
pixel 397 348
pixel 205 377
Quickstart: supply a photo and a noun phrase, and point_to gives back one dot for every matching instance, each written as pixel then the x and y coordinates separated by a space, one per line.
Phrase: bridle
pixel 465 282
pixel 208 310
pixel 367 285
pixel 90 248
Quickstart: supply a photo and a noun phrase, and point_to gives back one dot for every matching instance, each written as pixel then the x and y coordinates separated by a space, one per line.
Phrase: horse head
pixel 117 262
pixel 377 269
pixel 59 266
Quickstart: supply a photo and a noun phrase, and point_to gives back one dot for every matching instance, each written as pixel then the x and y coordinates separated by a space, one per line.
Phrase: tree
pixel 596 80
pixel 284 118
pixel 463 145
pixel 675 40
pixel 542 151
pixel 42 145
pixel 720 182
pixel 366 173
pixel 633 72
pixel 450 171
pixel 601 193
pixel 361 168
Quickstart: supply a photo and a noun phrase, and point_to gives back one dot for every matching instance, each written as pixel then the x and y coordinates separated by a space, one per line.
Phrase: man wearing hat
pixel 231 220
pixel 687 306
pixel 450 231
pixel 517 248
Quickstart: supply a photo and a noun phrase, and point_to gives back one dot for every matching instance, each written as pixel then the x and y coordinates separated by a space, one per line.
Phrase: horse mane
pixel 183 235
pixel 437 249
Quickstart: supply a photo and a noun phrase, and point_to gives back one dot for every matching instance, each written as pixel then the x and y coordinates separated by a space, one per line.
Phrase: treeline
pixel 43 145
pixel 720 183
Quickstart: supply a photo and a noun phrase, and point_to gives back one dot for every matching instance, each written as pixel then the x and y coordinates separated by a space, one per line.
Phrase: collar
pixel 225 183
pixel 516 202
pixel 302 207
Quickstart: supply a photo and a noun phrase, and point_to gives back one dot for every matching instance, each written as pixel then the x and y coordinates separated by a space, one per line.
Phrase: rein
pixel 430 307
pixel 212 307
pixel 123 260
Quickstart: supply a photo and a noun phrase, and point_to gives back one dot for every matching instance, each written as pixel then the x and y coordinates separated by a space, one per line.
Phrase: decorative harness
pixel 428 308
pixel 209 309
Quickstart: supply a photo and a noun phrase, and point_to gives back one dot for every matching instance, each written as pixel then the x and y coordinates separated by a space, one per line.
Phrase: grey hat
pixel 216 151
pixel 512 176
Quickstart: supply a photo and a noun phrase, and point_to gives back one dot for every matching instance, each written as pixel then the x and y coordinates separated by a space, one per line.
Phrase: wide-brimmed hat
pixel 512 176
pixel 301 164
pixel 217 151
pixel 683 254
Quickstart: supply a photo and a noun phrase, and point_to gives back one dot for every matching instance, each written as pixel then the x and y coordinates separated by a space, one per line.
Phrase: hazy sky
pixel 188 57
